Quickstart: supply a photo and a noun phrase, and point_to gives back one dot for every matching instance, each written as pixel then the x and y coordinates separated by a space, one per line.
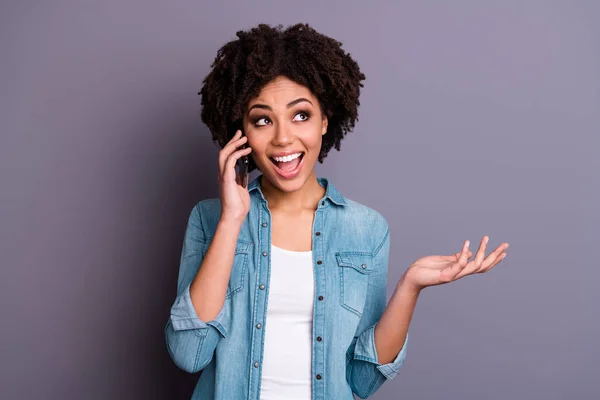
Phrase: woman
pixel 282 284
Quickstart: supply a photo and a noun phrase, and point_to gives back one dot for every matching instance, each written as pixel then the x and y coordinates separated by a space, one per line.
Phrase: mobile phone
pixel 241 167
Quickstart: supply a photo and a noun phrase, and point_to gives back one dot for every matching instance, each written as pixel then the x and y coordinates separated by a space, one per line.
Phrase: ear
pixel 324 125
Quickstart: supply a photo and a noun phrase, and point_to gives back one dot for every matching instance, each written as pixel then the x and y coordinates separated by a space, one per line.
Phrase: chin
pixel 289 186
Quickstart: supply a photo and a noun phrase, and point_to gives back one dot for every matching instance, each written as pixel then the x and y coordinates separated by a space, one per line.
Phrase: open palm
pixel 437 270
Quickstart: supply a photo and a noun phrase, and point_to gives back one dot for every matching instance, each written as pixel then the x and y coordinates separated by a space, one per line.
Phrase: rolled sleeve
pixel 366 350
pixel 184 317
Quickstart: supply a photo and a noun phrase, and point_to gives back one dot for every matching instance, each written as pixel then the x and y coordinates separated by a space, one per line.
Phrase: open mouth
pixel 288 166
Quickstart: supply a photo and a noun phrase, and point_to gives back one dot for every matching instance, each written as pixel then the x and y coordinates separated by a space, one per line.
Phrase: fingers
pixel 481 252
pixel 480 264
pixel 455 257
pixel 229 169
pixel 463 258
pixel 236 141
pixel 475 264
pixel 464 254
pixel 494 258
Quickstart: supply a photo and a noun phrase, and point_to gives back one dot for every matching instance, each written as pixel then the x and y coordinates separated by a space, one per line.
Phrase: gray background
pixel 477 118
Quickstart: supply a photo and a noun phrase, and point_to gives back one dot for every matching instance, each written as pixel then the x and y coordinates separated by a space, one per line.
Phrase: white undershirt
pixel 287 360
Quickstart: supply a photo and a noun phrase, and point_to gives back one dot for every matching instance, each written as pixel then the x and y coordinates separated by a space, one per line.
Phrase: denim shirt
pixel 350 247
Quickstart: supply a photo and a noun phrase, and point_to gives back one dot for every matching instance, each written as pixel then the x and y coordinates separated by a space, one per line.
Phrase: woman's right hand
pixel 235 199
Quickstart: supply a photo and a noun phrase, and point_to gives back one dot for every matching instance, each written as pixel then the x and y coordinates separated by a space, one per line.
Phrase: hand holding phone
pixel 233 173
pixel 241 167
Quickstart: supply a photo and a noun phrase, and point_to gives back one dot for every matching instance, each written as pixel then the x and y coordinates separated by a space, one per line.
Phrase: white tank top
pixel 287 360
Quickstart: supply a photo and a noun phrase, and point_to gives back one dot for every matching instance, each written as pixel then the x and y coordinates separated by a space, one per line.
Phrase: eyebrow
pixel 290 104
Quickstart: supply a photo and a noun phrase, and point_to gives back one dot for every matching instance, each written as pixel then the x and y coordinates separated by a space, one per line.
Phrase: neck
pixel 307 197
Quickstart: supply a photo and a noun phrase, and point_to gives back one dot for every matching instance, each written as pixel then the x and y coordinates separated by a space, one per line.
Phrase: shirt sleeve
pixel 364 372
pixel 190 341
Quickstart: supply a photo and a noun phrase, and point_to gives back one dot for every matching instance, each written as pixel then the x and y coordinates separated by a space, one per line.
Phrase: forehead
pixel 281 91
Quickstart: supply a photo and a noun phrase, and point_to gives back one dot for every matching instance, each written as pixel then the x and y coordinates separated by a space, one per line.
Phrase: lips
pixel 288 173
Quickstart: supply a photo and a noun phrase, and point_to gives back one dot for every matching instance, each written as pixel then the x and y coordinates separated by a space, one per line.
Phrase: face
pixel 284 126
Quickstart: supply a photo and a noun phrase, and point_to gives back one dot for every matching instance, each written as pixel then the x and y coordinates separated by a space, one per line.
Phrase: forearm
pixel 392 328
pixel 209 287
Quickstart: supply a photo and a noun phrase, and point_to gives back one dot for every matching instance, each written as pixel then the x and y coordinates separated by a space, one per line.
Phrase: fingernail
pixel 468 243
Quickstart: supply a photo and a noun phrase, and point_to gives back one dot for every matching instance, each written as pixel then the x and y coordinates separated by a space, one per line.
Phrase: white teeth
pixel 287 158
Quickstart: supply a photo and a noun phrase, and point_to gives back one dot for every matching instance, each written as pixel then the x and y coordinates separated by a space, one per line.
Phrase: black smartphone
pixel 241 167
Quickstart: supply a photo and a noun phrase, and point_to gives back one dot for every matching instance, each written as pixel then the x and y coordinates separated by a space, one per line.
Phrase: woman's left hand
pixel 437 270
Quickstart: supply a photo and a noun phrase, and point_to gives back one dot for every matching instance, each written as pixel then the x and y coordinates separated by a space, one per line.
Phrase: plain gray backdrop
pixel 477 118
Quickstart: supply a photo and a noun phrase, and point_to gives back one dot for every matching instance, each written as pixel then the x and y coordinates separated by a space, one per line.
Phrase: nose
pixel 283 135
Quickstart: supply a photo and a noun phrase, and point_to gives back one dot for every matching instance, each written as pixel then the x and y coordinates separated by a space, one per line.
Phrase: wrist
pixel 405 284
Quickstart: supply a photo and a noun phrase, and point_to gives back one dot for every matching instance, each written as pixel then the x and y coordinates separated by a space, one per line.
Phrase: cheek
pixel 313 142
pixel 312 136
pixel 258 146
pixel 316 143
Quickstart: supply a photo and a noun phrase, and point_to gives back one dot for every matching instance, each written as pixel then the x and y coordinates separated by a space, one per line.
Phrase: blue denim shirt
pixel 350 247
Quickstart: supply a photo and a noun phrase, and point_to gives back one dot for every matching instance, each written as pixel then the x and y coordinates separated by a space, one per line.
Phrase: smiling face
pixel 284 126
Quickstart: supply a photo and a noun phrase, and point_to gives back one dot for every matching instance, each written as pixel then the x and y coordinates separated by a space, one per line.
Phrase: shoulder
pixel 364 213
pixel 369 217
pixel 208 206
pixel 364 224
pixel 206 214
pixel 352 212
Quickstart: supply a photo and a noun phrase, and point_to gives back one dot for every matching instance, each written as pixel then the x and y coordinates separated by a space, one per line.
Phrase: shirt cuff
pixel 365 350
pixel 183 315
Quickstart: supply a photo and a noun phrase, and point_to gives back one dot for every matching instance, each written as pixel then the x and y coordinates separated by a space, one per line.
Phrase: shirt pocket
pixel 239 268
pixel 354 269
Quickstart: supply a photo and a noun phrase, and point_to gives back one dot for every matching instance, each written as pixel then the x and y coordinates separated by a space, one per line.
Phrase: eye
pixel 301 116
pixel 261 121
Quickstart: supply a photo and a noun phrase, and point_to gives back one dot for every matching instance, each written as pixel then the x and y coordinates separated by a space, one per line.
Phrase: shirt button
pixel 264 224
pixel 318 376
pixel 255 365
pixel 318 234
pixel 319 338
pixel 319 262
pixel 320 298
pixel 258 326
pixel 364 266
pixel 265 253
pixel 261 286
pixel 322 203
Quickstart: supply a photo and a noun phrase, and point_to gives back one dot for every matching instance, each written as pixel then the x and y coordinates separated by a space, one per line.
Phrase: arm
pixel 377 352
pixel 385 340
pixel 201 290
pixel 392 329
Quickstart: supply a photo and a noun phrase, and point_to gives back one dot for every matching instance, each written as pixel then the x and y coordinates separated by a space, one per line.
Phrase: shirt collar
pixel 331 192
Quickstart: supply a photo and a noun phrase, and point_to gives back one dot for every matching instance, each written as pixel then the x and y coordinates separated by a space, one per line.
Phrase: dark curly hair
pixel 244 66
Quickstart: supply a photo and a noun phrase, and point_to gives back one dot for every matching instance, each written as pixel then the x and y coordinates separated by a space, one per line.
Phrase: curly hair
pixel 244 66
